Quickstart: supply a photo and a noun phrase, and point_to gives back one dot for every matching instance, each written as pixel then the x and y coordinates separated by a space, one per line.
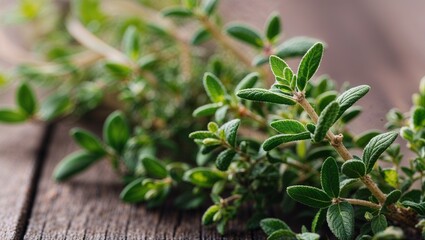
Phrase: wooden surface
pixel 378 42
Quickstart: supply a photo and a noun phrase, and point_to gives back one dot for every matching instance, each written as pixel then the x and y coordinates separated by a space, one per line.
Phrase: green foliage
pixel 376 146
pixel 245 34
pixel 329 177
pixel 340 218
pixel 354 168
pixel 73 164
pixel 326 120
pixel 309 196
pixel 116 131
pixel 309 65
pixel 263 95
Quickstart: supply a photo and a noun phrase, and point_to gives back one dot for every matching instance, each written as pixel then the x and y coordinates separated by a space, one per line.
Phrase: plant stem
pixel 361 203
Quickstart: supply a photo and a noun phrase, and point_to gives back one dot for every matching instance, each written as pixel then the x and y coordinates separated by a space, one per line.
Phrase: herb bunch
pixel 128 56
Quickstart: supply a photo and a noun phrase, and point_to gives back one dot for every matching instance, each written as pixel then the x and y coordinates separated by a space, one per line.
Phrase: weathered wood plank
pixel 20 147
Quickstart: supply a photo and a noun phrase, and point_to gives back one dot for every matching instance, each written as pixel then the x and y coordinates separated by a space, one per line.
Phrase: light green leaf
pixel 55 106
pixel 12 116
pixel 379 223
pixel 354 168
pixel 277 65
pixel 288 126
pixel 340 218
pixel 245 34
pixel 118 70
pixel 202 177
pixel 154 167
pixel 247 82
pixel 376 147
pixel 309 196
pixel 87 141
pixel 308 236
pixel 132 43
pixel 202 135
pixel 177 12
pixel 326 120
pixel 329 177
pixel 263 95
pixel 224 159
pixel 418 118
pixel 275 141
pixel 209 6
pixel 273 27
pixel 295 47
pixel 271 225
pixel 200 36
pixel 282 234
pixel 116 131
pixel 73 164
pixel 231 129
pixel 207 109
pixel 351 96
pixel 207 217
pixel 309 65
pixel 214 88
pixel 391 177
pixel 25 99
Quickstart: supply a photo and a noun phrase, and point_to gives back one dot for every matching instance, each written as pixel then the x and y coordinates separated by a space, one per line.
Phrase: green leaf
pixel 176 12
pixel 417 207
pixel 350 114
pixel 326 120
pixel 134 192
pixel 231 130
pixel 116 131
pixel 329 177
pixel 12 116
pixel 263 95
pixel 25 99
pixel 295 47
pixel 288 126
pixel 73 164
pixel 87 141
pixel 247 82
pixel 224 159
pixel 392 197
pixel 154 167
pixel 354 168
pixel 418 118
pixel 278 65
pixel 308 236
pixel 200 36
pixel 318 220
pixel 202 135
pixel 324 99
pixel 271 225
pixel 202 177
pixel 309 65
pixel 132 43
pixel 55 106
pixel 351 96
pixel 207 109
pixel 379 223
pixel 309 196
pixel 214 88
pixel 245 34
pixel 118 70
pixel 363 139
pixel 376 147
pixel 209 6
pixel 275 141
pixel 207 217
pixel 340 218
pixel 282 234
pixel 391 177
pixel 273 27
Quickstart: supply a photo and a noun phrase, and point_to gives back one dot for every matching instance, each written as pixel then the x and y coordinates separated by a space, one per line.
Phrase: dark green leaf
pixel 177 12
pixel 73 164
pixel 340 218
pixel 418 118
pixel 417 207
pixel 363 139
pixel 25 99
pixel 12 116
pixel 247 82
pixel 277 65
pixel 282 234
pixel 309 65
pixel 318 220
pixel 154 167
pixel 288 126
pixel 271 225
pixel 209 6
pixel 214 88
pixel 275 141
pixel 351 96
pixel 324 100
pixel 206 110
pixel 295 47
pixel 87 141
pixel 134 192
pixel 201 36
pixel 55 106
pixel 392 197
pixel 326 120
pixel 379 223
pixel 116 131
pixel 329 177
pixel 224 159
pixel 207 217
pixel 309 196
pixel 263 95
pixel 376 147
pixel 350 114
pixel 231 130
pixel 273 27
pixel 354 168
pixel 202 135
pixel 202 177
pixel 245 34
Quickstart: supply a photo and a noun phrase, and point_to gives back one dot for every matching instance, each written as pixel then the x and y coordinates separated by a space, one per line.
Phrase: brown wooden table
pixel 380 43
